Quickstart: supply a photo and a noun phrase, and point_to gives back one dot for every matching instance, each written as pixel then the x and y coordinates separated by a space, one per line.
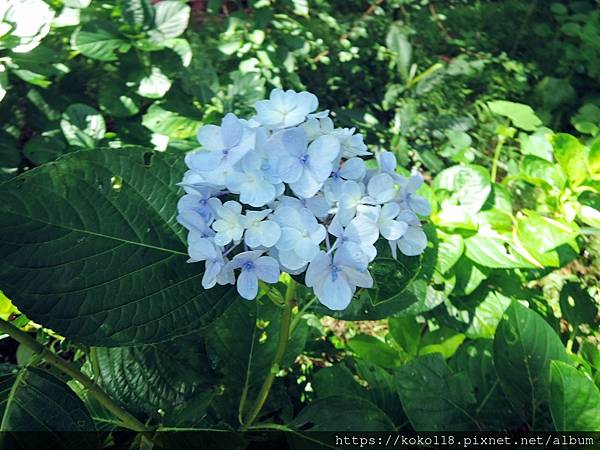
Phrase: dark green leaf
pixel 32 400
pixel 117 101
pixel 110 260
pixel 491 409
pixel 139 14
pixel 343 413
pixel 82 125
pixel 524 345
pixel 433 397
pixel 375 351
pixel 574 399
pixel 98 39
pixel 46 147
pixel 576 305
pixel 242 345
pixel 406 331
pixel 161 376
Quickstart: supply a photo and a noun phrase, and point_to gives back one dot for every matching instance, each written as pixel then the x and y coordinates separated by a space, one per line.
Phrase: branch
pixel 128 421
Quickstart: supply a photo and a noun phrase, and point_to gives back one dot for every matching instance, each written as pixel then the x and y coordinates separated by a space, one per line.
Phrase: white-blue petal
pixel 336 293
pixel 247 284
pixel 267 269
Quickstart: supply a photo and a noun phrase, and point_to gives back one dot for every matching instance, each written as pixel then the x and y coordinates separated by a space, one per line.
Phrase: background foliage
pixel 494 327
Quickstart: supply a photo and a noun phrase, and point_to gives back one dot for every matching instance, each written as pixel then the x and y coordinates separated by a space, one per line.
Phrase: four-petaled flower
pixel 285 109
pixel 335 278
pixel 253 267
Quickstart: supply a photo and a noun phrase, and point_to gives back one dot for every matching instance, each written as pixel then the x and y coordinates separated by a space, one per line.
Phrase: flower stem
pixel 127 420
pixel 497 150
pixel 284 335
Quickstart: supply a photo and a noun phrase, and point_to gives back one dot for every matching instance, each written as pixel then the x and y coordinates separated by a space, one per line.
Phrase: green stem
pixel 284 335
pixel 298 317
pixel 128 421
pixel 496 157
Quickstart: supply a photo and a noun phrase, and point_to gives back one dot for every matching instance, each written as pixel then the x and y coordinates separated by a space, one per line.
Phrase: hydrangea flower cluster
pixel 287 191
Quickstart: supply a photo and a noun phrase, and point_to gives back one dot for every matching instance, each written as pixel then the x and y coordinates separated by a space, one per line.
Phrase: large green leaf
pixel 243 342
pixel 152 377
pixel 469 186
pixel 169 123
pixel 524 345
pixel 343 413
pixel 451 247
pixel 82 125
pixel 380 387
pixel 170 20
pixel 375 351
pixel 491 409
pixel 576 305
pixel 91 248
pixel 571 156
pixel 139 14
pixel 433 397
pixel 98 39
pixel 498 251
pixel 542 234
pixel 406 331
pixel 522 116
pixel 486 315
pixel 32 400
pixel 541 172
pixel 398 43
pixel 574 399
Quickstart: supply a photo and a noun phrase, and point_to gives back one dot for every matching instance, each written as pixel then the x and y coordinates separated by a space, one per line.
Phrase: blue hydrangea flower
pixel 410 200
pixel 414 240
pixel 301 236
pixel 229 225
pixel 352 169
pixel 285 109
pixel 385 219
pixel 203 249
pixel 361 233
pixel 222 147
pixel 253 267
pixel 352 196
pixel 290 181
pixel 260 232
pixel 306 167
pixel 335 277
pixel 201 200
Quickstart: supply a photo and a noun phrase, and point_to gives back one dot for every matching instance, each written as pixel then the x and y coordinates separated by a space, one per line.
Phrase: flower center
pixel 248 265
pixel 335 270
pixel 304 159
